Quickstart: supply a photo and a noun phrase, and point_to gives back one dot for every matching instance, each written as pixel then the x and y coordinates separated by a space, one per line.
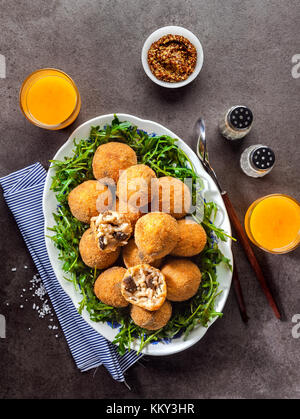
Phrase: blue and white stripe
pixel 23 192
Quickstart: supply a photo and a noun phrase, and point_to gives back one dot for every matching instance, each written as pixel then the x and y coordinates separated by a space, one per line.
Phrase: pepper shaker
pixel 257 160
pixel 236 123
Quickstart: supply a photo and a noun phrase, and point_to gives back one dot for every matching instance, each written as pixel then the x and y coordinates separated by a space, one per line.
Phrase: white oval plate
pixel 211 193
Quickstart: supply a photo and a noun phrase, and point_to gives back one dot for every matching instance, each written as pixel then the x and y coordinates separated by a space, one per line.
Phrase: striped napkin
pixel 23 192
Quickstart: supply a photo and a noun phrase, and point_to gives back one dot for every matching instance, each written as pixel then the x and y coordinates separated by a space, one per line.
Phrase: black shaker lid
pixel 263 158
pixel 240 117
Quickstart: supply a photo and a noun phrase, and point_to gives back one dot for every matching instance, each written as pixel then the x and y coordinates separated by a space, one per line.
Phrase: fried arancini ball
pixel 108 287
pixel 192 239
pixel 156 234
pixel 144 286
pixel 131 213
pixel 131 257
pixel 183 278
pixel 92 256
pixel 112 230
pixel 151 320
pixel 134 185
pixel 112 157
pixel 174 197
pixel 88 199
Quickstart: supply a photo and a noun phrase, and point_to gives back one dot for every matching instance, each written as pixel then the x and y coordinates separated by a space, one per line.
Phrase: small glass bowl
pixel 30 80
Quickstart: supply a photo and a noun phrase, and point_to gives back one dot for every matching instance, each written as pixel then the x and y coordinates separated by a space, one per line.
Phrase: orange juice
pixel 273 223
pixel 49 98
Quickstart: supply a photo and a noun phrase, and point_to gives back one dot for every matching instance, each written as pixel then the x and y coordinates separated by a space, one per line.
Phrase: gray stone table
pixel 248 48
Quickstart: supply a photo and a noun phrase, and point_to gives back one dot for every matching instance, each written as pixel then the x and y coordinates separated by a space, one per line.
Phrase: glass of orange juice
pixel 50 99
pixel 273 223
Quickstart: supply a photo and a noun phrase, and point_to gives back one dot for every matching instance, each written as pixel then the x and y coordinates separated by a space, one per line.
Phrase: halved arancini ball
pixel 92 256
pixel 112 157
pixel 174 197
pixel 144 286
pixel 131 257
pixel 112 230
pixel 108 287
pixel 183 278
pixel 151 320
pixel 134 185
pixel 156 234
pixel 88 199
pixel 192 239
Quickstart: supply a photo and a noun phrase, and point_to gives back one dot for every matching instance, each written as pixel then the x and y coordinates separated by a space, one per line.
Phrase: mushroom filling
pixel 145 286
pixel 112 230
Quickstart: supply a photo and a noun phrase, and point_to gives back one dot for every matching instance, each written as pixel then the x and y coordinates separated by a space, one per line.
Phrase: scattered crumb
pixel 13 269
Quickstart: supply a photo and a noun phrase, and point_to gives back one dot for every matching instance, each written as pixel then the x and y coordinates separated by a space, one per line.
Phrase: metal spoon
pixel 201 145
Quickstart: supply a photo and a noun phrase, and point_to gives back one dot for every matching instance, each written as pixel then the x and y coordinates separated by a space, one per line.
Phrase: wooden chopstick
pixel 243 239
pixel 239 294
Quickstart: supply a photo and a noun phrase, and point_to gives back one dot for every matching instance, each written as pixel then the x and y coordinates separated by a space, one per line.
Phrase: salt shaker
pixel 236 123
pixel 257 160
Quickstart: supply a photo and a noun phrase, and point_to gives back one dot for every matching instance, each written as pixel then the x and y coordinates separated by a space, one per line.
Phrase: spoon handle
pixel 249 252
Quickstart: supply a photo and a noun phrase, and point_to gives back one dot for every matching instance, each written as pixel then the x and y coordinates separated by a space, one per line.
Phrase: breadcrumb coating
pixel 151 320
pixel 108 287
pixel 192 239
pixel 174 197
pixel 131 256
pixel 112 157
pixel 88 199
pixel 92 256
pixel 183 279
pixel 134 185
pixel 130 212
pixel 156 235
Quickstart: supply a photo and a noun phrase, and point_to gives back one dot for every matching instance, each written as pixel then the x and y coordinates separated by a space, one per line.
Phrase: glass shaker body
pixel 257 160
pixel 236 123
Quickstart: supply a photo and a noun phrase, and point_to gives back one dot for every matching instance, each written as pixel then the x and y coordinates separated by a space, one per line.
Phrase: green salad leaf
pixel 163 155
